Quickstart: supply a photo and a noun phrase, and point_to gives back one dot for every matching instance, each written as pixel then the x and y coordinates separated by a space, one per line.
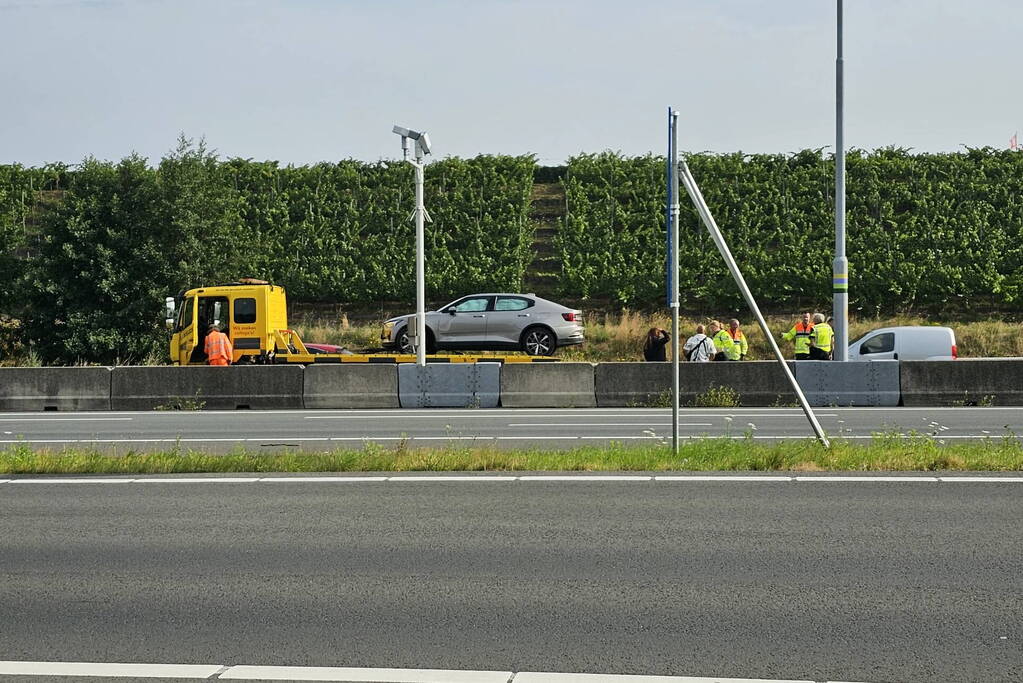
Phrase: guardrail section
pixel 55 388
pixel 963 382
pixel 206 387
pixel 351 385
pixel 557 385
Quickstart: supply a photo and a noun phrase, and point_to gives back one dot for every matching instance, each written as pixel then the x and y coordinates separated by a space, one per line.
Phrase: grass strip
pixel 883 453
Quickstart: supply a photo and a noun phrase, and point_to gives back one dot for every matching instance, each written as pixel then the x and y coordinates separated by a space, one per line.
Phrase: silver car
pixel 491 322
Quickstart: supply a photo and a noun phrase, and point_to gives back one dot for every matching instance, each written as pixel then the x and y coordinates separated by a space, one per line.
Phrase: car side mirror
pixel 450 311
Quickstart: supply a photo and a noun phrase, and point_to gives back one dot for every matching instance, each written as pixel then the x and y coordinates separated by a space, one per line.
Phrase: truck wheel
pixel 539 341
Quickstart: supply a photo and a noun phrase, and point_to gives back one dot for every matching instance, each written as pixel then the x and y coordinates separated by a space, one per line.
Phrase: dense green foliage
pixel 88 253
pixel 122 236
pixel 924 230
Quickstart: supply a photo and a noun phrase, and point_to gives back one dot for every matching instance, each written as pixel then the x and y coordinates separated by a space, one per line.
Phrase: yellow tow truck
pixel 254 315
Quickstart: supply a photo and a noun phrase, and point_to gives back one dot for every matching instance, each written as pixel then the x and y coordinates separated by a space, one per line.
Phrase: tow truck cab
pixel 250 312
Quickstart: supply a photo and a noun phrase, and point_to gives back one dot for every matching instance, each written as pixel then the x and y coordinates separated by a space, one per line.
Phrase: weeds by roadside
pixel 887 451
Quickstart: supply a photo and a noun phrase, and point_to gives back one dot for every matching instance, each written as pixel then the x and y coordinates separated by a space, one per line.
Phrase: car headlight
pixel 388 326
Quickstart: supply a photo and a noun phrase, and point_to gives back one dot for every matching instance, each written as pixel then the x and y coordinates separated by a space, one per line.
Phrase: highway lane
pixel 812 580
pixel 506 428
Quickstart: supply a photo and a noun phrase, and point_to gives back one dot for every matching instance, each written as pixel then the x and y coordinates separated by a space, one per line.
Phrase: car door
pixel 464 323
pixel 879 346
pixel 510 316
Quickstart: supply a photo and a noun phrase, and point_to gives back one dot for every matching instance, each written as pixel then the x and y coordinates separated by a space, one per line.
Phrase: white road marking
pixel 340 674
pixel 531 677
pixel 66 419
pixel 452 478
pixel 199 480
pixel 695 478
pixel 474 414
pixel 717 477
pixel 608 424
pixel 332 480
pixel 584 477
pixel 108 669
pixel 360 675
pixel 999 480
pixel 75 480
pixel 861 478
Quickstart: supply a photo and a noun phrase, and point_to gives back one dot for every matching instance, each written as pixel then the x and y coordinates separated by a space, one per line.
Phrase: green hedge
pixel 924 230
pixel 88 253
pixel 121 236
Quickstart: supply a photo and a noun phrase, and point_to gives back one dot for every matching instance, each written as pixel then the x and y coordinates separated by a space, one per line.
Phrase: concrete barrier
pixel 351 385
pixel 970 381
pixel 454 385
pixel 827 383
pixel 206 387
pixel 547 385
pixel 55 388
pixel 757 383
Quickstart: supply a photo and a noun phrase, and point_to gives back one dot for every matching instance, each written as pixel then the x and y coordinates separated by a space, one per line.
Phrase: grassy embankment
pixel 619 336
pixel 886 452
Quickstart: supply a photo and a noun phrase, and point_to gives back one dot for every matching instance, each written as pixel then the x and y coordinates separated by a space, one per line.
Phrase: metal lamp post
pixel 422 144
pixel 840 266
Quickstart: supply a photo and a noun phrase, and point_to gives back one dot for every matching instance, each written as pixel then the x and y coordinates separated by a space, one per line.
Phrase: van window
pixel 244 311
pixel 882 343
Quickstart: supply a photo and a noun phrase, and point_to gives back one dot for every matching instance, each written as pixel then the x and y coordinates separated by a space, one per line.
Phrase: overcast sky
pixel 301 81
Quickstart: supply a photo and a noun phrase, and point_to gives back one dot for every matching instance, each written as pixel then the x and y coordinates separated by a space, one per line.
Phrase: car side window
pixel 512 303
pixel 881 343
pixel 473 305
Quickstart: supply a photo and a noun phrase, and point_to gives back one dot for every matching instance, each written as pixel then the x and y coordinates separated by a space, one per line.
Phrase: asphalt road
pixel 509 428
pixel 842 581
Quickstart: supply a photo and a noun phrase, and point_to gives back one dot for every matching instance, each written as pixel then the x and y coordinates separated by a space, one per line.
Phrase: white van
pixel 910 342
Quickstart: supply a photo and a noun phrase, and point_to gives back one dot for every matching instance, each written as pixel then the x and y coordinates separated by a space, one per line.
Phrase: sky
pixel 302 81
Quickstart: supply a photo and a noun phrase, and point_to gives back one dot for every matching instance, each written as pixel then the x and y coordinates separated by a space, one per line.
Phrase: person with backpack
pixel 699 348
pixel 656 340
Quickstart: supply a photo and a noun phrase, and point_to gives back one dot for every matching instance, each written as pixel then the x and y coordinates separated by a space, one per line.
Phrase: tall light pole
pixel 422 144
pixel 840 266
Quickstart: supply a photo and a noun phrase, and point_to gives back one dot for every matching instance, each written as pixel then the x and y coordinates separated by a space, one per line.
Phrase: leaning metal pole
pixel 674 228
pixel 840 266
pixel 712 227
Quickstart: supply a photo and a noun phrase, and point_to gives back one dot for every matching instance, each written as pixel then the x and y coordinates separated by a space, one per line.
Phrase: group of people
pixel 812 337
pixel 711 342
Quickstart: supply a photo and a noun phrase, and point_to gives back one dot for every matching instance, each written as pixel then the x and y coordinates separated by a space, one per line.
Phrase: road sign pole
pixel 673 230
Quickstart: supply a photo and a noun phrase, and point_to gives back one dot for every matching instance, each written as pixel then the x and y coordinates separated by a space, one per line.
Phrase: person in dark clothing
pixel 656 341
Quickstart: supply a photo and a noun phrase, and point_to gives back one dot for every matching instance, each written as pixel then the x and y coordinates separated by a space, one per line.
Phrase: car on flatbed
pixel 491 322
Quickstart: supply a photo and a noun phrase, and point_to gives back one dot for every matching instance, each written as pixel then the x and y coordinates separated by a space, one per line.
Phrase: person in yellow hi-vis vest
pixel 800 332
pixel 722 342
pixel 822 338
pixel 739 347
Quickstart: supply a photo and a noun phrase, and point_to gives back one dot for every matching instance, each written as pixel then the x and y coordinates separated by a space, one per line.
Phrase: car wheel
pixel 404 345
pixel 539 341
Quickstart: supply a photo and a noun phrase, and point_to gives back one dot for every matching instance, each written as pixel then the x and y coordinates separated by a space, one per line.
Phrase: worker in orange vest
pixel 219 350
pixel 800 333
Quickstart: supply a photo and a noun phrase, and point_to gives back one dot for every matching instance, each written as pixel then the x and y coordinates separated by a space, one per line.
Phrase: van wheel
pixel 539 341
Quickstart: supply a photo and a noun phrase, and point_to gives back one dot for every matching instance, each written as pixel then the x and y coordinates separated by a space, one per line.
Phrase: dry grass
pixel 619 336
